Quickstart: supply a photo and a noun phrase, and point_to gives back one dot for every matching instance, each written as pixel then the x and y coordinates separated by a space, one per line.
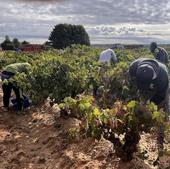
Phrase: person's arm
pixel 167 101
pixel 133 68
pixel 156 54
pixel 166 56
pixel 162 55
pixel 113 58
pixel 161 85
pixel 159 97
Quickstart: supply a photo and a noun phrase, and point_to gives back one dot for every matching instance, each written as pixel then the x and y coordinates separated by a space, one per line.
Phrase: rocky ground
pixel 37 140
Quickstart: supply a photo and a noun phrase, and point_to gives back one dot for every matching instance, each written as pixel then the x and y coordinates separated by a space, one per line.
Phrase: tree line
pixel 62 36
pixel 9 44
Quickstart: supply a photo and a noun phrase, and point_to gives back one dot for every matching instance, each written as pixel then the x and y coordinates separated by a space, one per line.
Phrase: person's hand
pixel 161 105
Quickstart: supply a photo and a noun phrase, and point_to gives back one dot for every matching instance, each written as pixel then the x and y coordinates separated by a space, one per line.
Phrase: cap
pixel 144 76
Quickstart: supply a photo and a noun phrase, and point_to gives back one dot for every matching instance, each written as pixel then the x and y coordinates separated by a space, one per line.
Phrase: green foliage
pixel 55 74
pixel 64 35
pixel 69 77
pixel 123 119
pixel 73 133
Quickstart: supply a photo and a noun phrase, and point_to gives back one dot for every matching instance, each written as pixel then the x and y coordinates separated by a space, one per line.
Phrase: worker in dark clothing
pixel 151 76
pixel 7 86
pixel 159 53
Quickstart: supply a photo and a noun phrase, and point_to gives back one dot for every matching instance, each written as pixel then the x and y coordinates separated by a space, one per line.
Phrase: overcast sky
pixel 106 21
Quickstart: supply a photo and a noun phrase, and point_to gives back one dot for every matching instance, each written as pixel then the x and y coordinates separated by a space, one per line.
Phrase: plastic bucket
pixel 26 103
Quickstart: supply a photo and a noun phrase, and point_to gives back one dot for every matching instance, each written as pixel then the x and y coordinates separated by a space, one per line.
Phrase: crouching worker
pixel 106 59
pixel 9 72
pixel 152 78
pixel 159 53
pixel 108 56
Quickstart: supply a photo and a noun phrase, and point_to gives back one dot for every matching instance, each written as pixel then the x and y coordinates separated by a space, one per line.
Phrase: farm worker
pixel 151 77
pixel 7 86
pixel 108 56
pixel 159 53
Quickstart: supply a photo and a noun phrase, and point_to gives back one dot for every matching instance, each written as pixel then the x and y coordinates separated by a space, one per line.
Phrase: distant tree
pixel 25 43
pixel 64 35
pixel 16 43
pixel 7 44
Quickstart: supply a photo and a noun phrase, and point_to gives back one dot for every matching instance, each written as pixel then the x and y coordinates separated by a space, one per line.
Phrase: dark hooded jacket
pixel 159 84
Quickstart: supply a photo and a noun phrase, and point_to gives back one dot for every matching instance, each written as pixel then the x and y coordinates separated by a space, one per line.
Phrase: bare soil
pixel 37 141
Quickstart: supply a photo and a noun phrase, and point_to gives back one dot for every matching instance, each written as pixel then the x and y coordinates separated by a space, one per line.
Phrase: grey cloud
pixel 110 30
pixel 101 11
pixel 36 18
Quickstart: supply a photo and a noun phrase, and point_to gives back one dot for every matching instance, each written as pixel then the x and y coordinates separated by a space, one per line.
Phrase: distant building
pixel 134 46
pixel 32 48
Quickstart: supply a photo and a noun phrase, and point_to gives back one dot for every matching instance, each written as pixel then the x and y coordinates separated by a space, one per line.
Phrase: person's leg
pixel 6 94
pixel 167 102
pixel 19 98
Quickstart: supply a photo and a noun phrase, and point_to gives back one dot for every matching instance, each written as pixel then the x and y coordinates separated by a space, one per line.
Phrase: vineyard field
pixel 84 114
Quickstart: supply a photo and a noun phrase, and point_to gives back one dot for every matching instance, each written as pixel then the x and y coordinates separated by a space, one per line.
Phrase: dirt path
pixel 36 141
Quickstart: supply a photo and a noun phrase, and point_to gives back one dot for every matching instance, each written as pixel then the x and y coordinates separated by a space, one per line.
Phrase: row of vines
pixel 101 96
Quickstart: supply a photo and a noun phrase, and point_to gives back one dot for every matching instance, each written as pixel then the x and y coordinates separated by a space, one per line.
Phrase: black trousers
pixel 7 89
